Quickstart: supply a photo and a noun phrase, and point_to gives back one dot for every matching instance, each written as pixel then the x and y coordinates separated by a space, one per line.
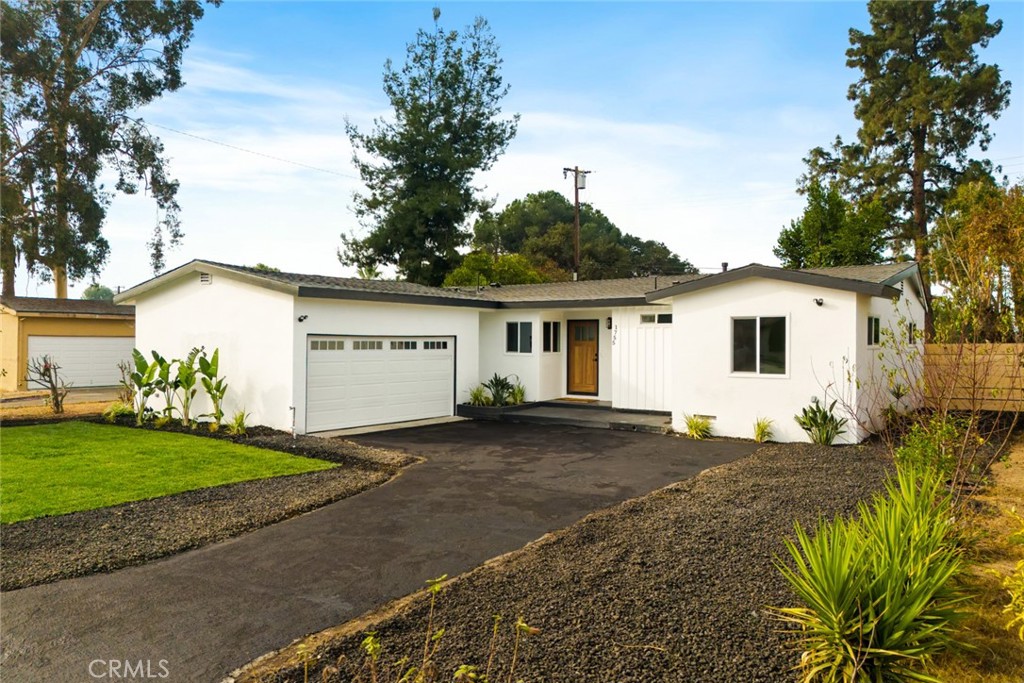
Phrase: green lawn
pixel 58 468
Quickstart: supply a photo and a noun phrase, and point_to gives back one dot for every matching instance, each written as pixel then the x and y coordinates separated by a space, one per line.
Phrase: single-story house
pixel 87 339
pixel 315 353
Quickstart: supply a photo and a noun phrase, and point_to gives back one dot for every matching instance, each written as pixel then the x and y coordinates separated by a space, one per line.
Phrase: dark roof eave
pixel 640 300
pixel 392 297
pixel 811 279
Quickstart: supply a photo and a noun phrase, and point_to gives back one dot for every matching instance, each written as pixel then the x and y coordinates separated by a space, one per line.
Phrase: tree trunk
pixel 8 258
pixel 921 250
pixel 60 281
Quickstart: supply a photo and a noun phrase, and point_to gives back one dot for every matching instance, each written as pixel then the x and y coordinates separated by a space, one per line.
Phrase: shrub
pixel 879 594
pixel 167 384
pixel 820 423
pixel 186 380
pixel 125 386
pixel 237 426
pixel 763 429
pixel 932 444
pixel 1014 585
pixel 478 396
pixel 45 371
pixel 698 427
pixel 500 389
pixel 118 409
pixel 517 395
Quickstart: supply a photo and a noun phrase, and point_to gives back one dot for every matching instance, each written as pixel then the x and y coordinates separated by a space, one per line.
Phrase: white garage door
pixel 84 361
pixel 357 381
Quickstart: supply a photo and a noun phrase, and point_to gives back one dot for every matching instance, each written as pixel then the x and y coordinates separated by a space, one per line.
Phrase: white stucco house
pixel 315 353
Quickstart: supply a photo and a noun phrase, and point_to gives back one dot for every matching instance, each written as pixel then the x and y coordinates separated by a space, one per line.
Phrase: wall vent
pixel 205 278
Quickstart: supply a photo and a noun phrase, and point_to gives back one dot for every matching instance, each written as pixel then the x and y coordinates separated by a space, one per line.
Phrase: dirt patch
pixel 51 548
pixel 673 586
pixel 14 414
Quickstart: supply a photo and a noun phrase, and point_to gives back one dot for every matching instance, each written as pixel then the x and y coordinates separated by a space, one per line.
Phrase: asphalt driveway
pixel 485 489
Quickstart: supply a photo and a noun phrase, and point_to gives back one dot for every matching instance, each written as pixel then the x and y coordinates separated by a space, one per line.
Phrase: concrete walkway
pixel 486 489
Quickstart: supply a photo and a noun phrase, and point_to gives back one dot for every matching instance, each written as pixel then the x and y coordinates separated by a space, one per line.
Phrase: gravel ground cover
pixel 52 548
pixel 673 586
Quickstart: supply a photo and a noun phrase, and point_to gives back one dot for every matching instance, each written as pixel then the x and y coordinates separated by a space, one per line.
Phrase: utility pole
pixel 579 177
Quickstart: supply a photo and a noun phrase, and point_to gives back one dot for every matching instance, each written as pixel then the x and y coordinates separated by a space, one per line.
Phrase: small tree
pixel 45 371
pixel 98 292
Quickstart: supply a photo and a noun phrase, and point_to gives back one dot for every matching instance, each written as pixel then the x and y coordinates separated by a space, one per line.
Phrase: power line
pixel 253 152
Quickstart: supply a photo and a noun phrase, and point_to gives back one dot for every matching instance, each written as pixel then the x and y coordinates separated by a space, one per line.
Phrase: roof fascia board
pixel 202 266
pixel 391 297
pixel 577 303
pixel 89 316
pixel 811 279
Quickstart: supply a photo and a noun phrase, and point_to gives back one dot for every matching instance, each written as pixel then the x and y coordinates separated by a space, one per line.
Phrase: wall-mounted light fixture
pixel 302 318
pixel 608 323
pixel 820 302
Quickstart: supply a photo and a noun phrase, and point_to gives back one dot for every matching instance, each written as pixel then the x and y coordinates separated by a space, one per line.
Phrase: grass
pixel 54 469
pixel 996 654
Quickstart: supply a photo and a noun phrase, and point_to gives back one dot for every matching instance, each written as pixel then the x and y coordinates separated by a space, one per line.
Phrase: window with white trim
pixel 327 345
pixel 403 346
pixel 759 345
pixel 367 345
pixel 664 318
pixel 874 330
pixel 518 337
pixel 552 336
pixel 435 345
pixel 646 318
pixel 912 333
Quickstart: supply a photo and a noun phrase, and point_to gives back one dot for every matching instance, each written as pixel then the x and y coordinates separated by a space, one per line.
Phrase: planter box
pixel 487 412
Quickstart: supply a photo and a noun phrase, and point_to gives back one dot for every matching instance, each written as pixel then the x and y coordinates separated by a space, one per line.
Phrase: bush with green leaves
pixel 934 443
pixel 118 409
pixel 820 422
pixel 880 593
pixel 763 430
pixel 166 383
pixel 478 396
pixel 500 389
pixel 698 427
pixel 517 396
pixel 238 424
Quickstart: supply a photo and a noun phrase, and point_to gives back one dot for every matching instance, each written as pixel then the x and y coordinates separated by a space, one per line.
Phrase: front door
pixel 582 358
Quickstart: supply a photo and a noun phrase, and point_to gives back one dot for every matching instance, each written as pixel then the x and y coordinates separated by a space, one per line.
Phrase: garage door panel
pixel 84 361
pixel 351 385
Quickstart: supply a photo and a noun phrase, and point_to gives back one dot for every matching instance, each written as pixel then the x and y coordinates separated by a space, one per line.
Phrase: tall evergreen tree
pixel 419 167
pixel 73 73
pixel 923 100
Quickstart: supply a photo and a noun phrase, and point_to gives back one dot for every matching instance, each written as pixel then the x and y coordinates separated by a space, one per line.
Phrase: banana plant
pixel 215 386
pixel 187 379
pixel 166 383
pixel 142 377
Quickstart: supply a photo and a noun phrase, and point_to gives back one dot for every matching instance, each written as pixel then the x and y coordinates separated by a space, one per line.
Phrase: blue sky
pixel 694 118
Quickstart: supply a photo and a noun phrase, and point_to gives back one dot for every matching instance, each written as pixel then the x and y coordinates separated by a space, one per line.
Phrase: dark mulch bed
pixel 673 586
pixel 51 548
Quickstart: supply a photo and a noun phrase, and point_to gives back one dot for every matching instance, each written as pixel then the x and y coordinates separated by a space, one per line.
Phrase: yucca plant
pixel 879 595
pixel 763 429
pixel 698 427
pixel 820 423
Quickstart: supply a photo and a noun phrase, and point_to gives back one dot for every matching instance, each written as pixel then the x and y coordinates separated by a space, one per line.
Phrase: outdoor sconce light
pixel 819 301
pixel 608 323
pixel 302 318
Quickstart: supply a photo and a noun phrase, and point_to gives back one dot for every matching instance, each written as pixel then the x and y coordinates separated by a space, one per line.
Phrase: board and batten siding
pixel 641 359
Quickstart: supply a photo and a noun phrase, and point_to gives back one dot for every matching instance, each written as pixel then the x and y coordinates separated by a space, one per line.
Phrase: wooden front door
pixel 582 357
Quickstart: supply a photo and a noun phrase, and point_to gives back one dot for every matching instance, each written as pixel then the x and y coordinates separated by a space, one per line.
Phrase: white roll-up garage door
pixel 84 361
pixel 358 381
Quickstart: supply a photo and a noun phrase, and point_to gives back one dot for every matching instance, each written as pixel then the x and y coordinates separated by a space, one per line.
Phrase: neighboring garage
pixel 87 339
pixel 364 380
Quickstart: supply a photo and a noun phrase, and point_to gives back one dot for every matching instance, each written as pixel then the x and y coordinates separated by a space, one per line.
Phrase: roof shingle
pixel 32 304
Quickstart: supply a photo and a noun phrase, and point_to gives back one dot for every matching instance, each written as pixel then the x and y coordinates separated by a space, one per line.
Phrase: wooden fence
pixel 975 376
